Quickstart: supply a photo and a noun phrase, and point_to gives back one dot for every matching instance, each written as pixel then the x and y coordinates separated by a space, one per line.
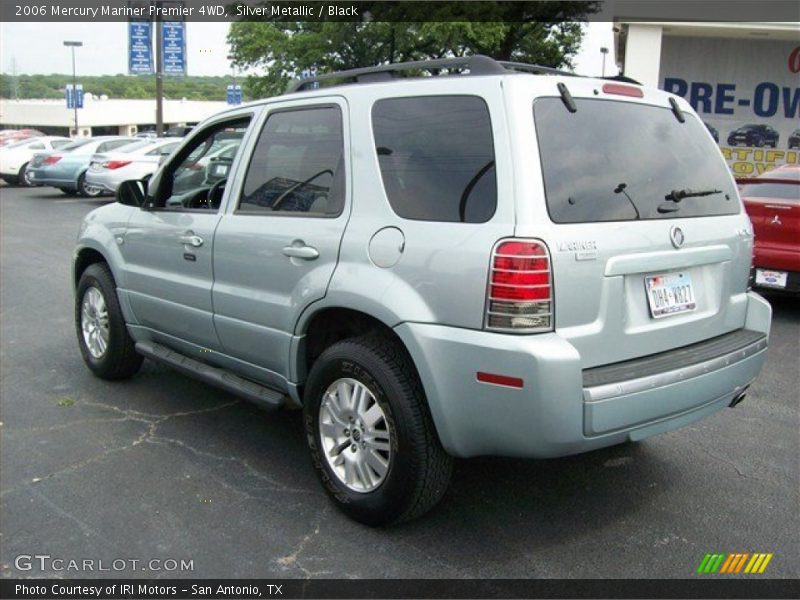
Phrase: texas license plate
pixel 669 294
pixel 776 279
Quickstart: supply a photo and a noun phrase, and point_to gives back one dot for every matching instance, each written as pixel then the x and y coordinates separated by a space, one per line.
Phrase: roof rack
pixel 477 64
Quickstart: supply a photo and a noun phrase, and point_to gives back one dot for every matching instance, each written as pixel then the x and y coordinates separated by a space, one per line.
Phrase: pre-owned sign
pixel 746 91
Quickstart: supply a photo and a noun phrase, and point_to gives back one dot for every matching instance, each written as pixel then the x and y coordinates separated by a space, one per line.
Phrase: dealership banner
pixel 746 91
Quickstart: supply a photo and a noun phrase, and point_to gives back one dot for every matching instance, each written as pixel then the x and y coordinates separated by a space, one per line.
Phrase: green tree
pixel 546 33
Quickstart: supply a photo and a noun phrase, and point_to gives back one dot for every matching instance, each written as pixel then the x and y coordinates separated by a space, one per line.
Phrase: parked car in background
pixel 14 158
pixel 179 131
pixel 754 135
pixel 713 131
pixel 67 170
pixel 773 202
pixel 133 161
pixel 208 164
pixel 146 134
pixel 794 139
pixel 10 136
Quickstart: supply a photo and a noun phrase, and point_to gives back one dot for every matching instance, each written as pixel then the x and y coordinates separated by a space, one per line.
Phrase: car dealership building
pixel 743 79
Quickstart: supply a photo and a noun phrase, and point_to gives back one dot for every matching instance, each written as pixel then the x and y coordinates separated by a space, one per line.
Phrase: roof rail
pixel 477 64
pixel 536 69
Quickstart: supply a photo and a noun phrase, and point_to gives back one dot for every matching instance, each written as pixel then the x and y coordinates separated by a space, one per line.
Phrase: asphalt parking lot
pixel 162 467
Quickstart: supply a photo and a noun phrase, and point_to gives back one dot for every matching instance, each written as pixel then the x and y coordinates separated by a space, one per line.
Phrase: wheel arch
pixel 329 324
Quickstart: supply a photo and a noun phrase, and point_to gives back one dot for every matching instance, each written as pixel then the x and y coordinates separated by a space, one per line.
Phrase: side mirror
pixel 131 193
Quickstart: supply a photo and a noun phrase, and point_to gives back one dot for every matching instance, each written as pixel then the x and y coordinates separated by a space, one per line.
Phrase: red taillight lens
pixel 51 160
pixel 520 287
pixel 115 164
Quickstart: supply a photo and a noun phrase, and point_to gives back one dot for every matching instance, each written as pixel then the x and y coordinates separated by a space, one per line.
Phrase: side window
pixel 37 146
pixel 436 157
pixel 298 164
pixel 195 179
pixel 60 143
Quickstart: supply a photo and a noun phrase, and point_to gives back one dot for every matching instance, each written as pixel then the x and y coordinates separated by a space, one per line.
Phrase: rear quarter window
pixel 436 157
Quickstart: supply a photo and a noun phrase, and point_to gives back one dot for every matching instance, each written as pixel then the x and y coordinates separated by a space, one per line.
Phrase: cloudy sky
pixel 37 48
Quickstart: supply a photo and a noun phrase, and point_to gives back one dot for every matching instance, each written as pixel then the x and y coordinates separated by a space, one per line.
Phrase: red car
pixel 773 202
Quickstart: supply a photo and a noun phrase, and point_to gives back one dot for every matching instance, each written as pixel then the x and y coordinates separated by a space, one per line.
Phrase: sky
pixel 37 48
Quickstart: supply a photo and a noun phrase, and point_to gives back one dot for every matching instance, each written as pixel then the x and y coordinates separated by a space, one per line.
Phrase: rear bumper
pixel 42 177
pixel 562 409
pixel 103 180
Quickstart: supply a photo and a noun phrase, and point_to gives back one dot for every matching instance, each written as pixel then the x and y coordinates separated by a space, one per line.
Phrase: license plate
pixel 776 279
pixel 669 294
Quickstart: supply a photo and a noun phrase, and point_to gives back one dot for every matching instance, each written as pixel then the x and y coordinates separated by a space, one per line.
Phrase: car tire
pixel 22 177
pixel 391 422
pixel 87 191
pixel 103 338
pixel 68 191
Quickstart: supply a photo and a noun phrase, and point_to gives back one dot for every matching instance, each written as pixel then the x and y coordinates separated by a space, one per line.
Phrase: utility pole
pixel 159 78
pixel 72 46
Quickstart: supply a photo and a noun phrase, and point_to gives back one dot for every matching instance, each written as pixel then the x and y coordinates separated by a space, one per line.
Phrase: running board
pixel 258 394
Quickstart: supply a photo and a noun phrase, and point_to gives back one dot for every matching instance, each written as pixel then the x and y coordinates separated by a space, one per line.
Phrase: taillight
pixel 520 288
pixel 51 160
pixel 115 164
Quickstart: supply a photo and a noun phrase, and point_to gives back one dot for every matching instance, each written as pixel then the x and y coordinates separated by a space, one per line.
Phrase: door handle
pixel 190 239
pixel 300 250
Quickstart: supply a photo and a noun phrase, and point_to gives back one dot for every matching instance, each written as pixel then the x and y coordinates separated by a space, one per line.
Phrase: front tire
pixel 371 436
pixel 103 338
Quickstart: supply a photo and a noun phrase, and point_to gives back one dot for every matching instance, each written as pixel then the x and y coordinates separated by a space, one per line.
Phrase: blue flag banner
pixel 173 40
pixel 140 48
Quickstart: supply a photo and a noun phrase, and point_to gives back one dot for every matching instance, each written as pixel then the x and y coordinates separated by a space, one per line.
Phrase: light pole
pixel 72 46
pixel 604 51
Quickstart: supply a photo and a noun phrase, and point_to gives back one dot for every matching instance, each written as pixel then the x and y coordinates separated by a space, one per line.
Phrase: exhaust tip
pixel 739 397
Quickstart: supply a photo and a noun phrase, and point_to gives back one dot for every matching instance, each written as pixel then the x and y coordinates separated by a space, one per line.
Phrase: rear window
pixel 618 161
pixel 781 191
pixel 436 157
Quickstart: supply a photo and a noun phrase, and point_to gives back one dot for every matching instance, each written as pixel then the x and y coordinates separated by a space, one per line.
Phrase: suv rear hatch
pixel 650 247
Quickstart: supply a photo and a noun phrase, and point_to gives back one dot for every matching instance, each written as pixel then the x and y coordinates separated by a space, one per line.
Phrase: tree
pixel 546 33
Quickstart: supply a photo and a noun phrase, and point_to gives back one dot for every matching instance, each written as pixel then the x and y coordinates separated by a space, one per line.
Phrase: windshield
pixel 620 161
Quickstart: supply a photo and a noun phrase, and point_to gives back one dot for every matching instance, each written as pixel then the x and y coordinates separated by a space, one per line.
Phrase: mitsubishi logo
pixel 776 220
pixel 676 236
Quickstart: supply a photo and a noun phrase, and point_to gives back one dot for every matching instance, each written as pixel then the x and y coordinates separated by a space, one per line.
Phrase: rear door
pixel 650 246
pixel 276 250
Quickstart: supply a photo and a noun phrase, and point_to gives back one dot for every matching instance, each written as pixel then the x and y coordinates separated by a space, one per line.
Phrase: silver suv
pixel 504 261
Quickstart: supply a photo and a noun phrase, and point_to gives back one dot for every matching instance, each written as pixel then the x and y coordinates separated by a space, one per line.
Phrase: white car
pixel 132 161
pixel 15 157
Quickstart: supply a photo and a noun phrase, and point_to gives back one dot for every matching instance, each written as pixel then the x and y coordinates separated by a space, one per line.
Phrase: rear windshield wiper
pixel 678 195
pixel 675 196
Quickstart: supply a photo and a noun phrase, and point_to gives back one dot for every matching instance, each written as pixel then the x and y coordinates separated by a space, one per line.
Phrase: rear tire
pixel 392 431
pixel 68 191
pixel 22 177
pixel 103 338
pixel 87 191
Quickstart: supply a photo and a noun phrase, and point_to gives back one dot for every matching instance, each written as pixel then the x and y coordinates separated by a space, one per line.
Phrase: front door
pixel 168 245
pixel 276 248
